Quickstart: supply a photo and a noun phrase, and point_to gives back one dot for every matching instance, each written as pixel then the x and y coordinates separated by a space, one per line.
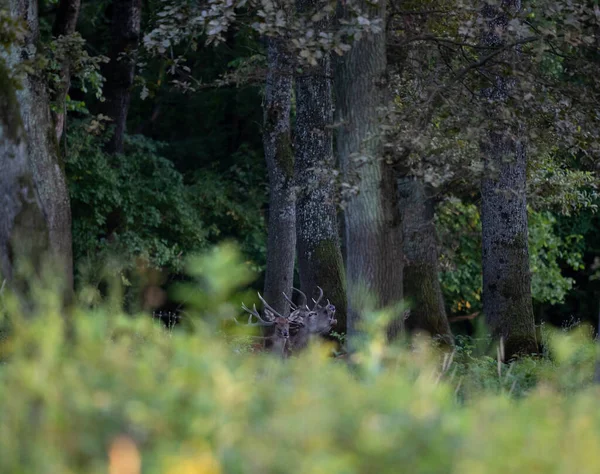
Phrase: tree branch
pixel 429 105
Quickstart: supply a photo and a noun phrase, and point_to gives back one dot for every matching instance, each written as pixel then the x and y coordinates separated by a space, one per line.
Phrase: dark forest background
pixel 192 173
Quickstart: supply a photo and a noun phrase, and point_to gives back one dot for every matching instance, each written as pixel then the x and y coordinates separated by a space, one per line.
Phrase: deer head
pixel 272 318
pixel 319 319
pixel 306 322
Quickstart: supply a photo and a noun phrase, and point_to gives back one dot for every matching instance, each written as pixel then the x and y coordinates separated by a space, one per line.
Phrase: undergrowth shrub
pixel 110 393
pixel 138 206
pixel 134 204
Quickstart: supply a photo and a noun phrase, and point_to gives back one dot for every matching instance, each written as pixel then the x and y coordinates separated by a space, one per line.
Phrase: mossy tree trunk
pixel 35 222
pixel 318 242
pixel 421 270
pixel 373 232
pixel 281 244
pixel 507 302
pixel 120 71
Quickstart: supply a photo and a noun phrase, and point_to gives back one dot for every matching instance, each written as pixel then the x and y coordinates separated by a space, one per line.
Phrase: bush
pixel 135 204
pixel 110 391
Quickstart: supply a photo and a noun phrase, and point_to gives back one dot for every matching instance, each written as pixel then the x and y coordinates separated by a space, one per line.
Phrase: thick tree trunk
pixel 281 245
pixel 507 300
pixel 125 33
pixel 64 25
pixel 319 253
pixel 35 222
pixel 372 222
pixel 421 270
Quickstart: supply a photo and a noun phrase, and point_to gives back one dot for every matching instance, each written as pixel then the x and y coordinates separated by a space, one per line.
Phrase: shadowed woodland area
pixel 364 230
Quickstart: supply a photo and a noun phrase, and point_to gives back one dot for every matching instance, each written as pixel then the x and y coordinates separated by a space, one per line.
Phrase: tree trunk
pixel 281 245
pixel 319 254
pixel 125 33
pixel 372 221
pixel 35 222
pixel 507 300
pixel 64 25
pixel 421 269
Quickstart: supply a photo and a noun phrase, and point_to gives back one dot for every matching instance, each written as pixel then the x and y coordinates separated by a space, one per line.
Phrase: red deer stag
pixel 306 322
pixel 281 335
pixel 294 332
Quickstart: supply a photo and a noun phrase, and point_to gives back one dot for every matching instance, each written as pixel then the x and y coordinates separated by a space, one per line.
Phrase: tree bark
pixel 318 243
pixel 120 71
pixel 422 286
pixel 281 245
pixel 372 221
pixel 507 302
pixel 64 25
pixel 35 222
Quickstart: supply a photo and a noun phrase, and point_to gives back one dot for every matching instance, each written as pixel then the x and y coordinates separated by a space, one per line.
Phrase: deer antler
pixel 255 313
pixel 269 307
pixel 289 300
pixel 292 305
pixel 301 294
pixel 318 299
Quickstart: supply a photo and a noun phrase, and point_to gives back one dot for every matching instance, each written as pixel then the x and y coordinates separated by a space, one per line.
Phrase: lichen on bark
pixel 36 220
pixel 281 239
pixel 318 242
pixel 507 302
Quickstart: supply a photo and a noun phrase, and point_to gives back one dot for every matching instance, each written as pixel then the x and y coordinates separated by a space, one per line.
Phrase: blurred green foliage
pixel 116 392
